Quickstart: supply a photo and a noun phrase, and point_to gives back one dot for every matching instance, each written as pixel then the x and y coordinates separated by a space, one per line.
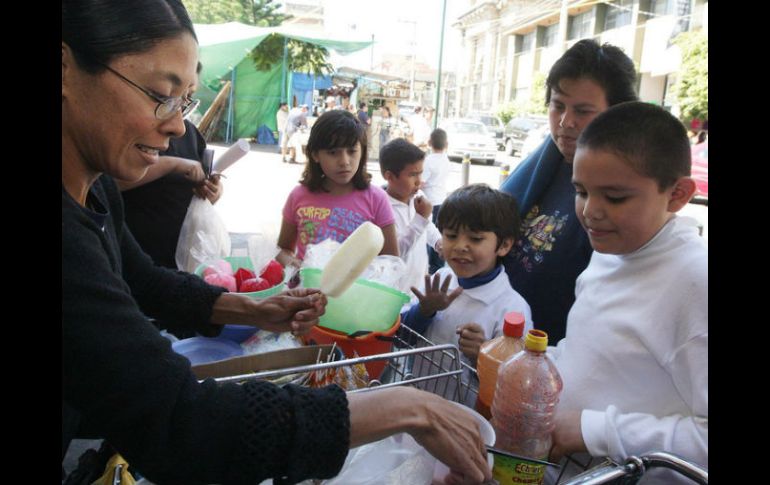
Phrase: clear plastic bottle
pixel 523 410
pixel 493 353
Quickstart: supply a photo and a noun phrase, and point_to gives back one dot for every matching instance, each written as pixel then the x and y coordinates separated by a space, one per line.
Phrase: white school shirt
pixel 413 232
pixel 635 356
pixel 485 305
pixel 435 172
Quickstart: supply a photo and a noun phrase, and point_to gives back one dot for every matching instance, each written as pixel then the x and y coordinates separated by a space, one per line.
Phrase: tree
pixel 301 56
pixel 262 13
pixel 692 87
pixel 534 104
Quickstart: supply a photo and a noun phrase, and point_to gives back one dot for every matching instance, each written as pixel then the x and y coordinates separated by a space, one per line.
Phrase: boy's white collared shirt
pixel 485 305
pixel 413 232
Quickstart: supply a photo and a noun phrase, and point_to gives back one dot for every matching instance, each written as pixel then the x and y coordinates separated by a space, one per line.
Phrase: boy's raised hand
pixel 436 297
pixel 471 338
pixel 423 206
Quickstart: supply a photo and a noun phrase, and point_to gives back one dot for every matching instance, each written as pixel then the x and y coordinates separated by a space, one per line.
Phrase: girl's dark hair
pixel 99 31
pixel 605 64
pixel 336 128
pixel 478 207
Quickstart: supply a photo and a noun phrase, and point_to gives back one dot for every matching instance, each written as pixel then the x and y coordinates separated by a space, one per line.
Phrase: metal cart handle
pixel 636 466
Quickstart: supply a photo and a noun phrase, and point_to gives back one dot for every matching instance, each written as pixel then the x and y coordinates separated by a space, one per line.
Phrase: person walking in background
pixel 156 204
pixel 420 129
pixel 363 116
pixel 435 173
pixel 554 249
pixel 121 381
pixel 281 116
pixel 386 125
pixel 334 196
pixel 296 120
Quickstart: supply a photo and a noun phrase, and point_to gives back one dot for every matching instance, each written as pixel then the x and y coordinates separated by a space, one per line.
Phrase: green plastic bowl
pixel 245 262
pixel 366 305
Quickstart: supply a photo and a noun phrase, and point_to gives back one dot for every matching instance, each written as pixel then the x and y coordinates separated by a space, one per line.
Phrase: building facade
pixel 506 43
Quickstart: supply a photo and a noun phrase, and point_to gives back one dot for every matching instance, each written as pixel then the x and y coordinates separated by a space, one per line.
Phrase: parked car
pixel 494 126
pixel 534 139
pixel 465 135
pixel 700 171
pixel 517 128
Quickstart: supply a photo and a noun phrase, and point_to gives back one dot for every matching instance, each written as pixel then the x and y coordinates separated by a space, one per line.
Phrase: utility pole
pixel 371 59
pixel 414 54
pixel 440 58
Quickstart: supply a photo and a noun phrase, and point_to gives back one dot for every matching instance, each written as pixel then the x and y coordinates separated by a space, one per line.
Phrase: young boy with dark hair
pixel 476 231
pixel 401 164
pixel 634 361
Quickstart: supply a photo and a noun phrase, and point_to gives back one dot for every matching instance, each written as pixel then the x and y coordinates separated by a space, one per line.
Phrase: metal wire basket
pixel 440 369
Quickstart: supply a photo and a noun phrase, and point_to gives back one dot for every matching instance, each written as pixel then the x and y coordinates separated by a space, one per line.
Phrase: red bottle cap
pixel 514 324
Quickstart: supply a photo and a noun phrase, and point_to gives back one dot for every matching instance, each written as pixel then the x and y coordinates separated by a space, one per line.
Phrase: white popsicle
pixel 351 259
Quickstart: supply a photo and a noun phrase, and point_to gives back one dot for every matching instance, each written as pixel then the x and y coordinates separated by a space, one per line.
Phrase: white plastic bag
pixel 203 236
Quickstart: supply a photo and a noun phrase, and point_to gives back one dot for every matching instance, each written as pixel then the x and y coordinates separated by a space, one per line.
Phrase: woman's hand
pixel 292 310
pixel 440 426
pixel 210 189
pixel 436 297
pixel 190 169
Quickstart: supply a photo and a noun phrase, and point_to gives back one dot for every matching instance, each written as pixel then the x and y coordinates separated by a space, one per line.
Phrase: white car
pixel 534 139
pixel 467 136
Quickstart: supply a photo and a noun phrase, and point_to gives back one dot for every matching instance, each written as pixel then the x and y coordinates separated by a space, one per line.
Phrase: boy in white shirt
pixel 478 225
pixel 434 175
pixel 401 164
pixel 634 361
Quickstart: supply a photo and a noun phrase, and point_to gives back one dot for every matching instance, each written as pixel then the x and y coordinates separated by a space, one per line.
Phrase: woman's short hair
pixel 605 64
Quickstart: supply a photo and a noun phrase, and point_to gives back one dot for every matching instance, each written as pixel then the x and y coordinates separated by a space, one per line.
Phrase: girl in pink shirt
pixel 334 196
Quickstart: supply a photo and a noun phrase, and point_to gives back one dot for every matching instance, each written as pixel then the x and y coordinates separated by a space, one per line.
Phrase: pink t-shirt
pixel 319 215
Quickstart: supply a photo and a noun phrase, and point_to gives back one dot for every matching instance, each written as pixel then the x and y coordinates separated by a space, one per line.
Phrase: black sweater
pixel 121 381
pixel 156 211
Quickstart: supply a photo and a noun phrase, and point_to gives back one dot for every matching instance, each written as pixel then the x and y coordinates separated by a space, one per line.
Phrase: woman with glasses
pixel 126 70
pixel 156 204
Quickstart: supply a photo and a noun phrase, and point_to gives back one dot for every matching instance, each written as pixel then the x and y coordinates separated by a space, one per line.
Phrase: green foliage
pixel 300 56
pixel 262 13
pixel 692 87
pixel 535 103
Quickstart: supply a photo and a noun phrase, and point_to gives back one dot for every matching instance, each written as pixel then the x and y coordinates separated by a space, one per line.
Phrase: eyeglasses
pixel 167 106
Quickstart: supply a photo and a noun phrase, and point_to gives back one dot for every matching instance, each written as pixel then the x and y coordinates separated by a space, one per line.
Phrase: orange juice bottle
pixel 492 354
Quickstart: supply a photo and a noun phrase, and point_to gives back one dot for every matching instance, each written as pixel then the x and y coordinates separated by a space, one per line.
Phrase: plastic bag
pixel 262 248
pixel 385 269
pixel 396 460
pixel 203 236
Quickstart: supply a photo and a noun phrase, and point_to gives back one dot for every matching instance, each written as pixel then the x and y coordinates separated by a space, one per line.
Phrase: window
pixel 580 25
pixel 662 7
pixel 550 34
pixel 618 14
pixel 526 42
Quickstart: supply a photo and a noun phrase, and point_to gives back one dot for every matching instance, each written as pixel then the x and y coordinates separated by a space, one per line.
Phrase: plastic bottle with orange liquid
pixel 523 411
pixel 493 353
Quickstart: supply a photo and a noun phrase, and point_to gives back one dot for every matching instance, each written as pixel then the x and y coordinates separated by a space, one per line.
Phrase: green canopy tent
pixel 254 98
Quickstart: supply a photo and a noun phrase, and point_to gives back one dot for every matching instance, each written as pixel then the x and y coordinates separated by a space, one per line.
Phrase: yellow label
pixel 511 471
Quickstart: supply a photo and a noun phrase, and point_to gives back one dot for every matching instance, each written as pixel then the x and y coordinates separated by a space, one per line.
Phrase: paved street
pixel 256 187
